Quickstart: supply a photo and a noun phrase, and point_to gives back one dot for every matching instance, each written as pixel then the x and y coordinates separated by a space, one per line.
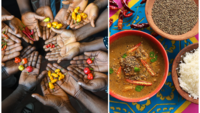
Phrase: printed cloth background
pixel 167 100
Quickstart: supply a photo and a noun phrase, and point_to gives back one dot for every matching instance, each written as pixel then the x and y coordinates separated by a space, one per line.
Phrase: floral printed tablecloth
pixel 167 100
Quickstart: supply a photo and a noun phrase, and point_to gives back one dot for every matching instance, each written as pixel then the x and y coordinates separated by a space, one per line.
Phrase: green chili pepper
pixel 111 70
pixel 139 88
pixel 124 56
pixel 136 69
pixel 47 19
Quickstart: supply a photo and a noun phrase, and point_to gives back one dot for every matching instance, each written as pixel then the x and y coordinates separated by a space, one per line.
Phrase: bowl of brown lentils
pixel 173 19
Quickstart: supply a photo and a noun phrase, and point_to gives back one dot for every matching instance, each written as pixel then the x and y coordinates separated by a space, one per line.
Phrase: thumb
pixel 92 21
pixel 39 17
pixel 84 85
pixel 88 53
pixel 57 30
pixel 7 17
pixel 39 98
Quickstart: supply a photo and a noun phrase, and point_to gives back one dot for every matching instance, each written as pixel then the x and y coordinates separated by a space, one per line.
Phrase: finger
pixel 44 32
pixel 39 17
pixel 38 64
pixel 52 34
pixel 74 76
pixel 35 36
pixel 14 38
pixel 51 40
pixel 80 72
pixel 25 38
pixel 31 58
pixel 16 49
pixel 35 57
pixel 67 2
pixel 81 57
pixel 38 31
pixel 51 66
pixel 28 51
pixel 6 17
pixel 81 25
pixel 10 56
pixel 10 47
pixel 39 98
pixel 40 77
pixel 87 86
pixel 57 30
pixel 63 70
pixel 92 21
pixel 47 33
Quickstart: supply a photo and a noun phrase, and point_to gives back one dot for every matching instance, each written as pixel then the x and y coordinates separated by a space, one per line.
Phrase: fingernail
pixel 33 96
pixel 79 83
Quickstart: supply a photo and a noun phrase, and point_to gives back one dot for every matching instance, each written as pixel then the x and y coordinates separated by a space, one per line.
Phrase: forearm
pixel 67 109
pixel 92 46
pixel 101 3
pixel 44 3
pixel 13 99
pixel 24 6
pixel 5 12
pixel 87 30
pixel 92 102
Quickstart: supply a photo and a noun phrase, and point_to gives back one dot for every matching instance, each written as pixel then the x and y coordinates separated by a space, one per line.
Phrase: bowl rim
pixel 183 93
pixel 166 61
pixel 194 31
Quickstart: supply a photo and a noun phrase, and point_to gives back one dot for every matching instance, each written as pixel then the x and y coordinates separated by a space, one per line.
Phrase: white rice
pixel 189 74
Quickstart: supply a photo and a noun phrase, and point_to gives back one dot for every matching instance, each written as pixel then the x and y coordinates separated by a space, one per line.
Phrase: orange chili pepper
pixel 24 61
pixel 17 60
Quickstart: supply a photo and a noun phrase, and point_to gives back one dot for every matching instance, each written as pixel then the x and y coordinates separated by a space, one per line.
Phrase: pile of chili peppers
pixel 50 46
pixel 124 13
pixel 27 32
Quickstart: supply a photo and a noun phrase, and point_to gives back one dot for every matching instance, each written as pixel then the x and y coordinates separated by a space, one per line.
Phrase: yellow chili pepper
pixel 61 77
pixel 51 86
pixel 49 25
pixel 57 70
pixel 49 73
pixel 58 26
pixel 54 80
pixel 83 15
pixel 54 23
pixel 76 9
pixel 54 75
pixel 78 18
pixel 51 78
pixel 47 19
pixel 73 15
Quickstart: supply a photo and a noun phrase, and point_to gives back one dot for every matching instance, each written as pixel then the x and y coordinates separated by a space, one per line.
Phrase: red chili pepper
pixel 148 67
pixel 110 22
pixel 27 31
pixel 23 30
pixel 113 7
pixel 112 2
pixel 17 60
pixel 24 61
pixel 126 6
pixel 143 1
pixel 142 83
pixel 138 26
pixel 53 45
pixel 86 70
pixel 120 20
pixel 32 31
pixel 3 45
pixel 6 36
pixel 119 71
pixel 90 76
pixel 127 15
pixel 90 61
pixel 134 48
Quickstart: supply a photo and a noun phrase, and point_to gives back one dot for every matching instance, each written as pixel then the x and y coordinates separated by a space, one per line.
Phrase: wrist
pixel 43 3
pixel 21 89
pixel 82 47
pixel 67 108
pixel 80 34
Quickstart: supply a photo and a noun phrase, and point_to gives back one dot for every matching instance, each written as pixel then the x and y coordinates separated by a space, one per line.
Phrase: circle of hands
pixel 67 47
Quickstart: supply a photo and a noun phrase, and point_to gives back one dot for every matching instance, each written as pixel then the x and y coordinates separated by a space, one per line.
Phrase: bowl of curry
pixel 138 66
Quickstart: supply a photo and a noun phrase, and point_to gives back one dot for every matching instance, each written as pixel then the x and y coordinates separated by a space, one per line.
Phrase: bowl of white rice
pixel 185 73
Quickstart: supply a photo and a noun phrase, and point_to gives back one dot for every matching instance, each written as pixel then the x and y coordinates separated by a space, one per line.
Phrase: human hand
pixel 55 98
pixel 100 62
pixel 67 52
pixel 31 79
pixel 30 20
pixel 68 84
pixel 98 83
pixel 11 67
pixel 46 12
pixel 10 46
pixel 63 37
pixel 92 12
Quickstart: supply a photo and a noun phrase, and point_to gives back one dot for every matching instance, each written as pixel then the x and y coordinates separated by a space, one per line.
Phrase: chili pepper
pixel 90 76
pixel 23 30
pixel 112 2
pixel 49 73
pixel 51 78
pixel 90 61
pixel 76 9
pixel 3 45
pixel 120 20
pixel 83 15
pixel 127 15
pixel 86 70
pixel 113 7
pixel 78 19
pixel 57 70
pixel 126 6
pixel 134 48
pixel 54 75
pixel 148 67
pixel 17 60
pixel 138 26
pixel 143 1
pixel 21 67
pixel 29 69
pixel 54 80
pixel 119 71
pixel 52 46
pixel 73 15
pixel 61 77
pixel 143 83
pixel 110 22
pixel 47 19
pixel 32 31
pixel 6 36
pixel 54 23
pixel 49 25
pixel 51 86
pixel 24 61
pixel 59 26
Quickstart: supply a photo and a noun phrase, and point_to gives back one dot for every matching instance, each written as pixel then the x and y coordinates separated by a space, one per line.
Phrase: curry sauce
pixel 132 67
